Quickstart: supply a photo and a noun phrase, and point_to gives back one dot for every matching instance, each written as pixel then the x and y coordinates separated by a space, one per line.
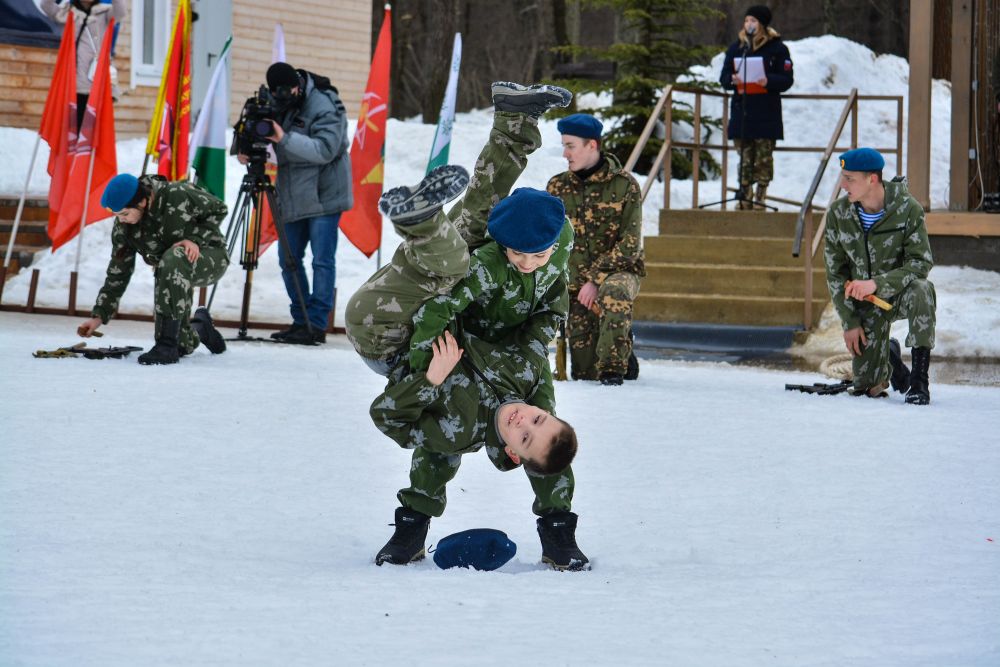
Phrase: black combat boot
pixel 920 392
pixel 900 378
pixel 530 100
pixel 557 531
pixel 280 336
pixel 408 206
pixel 612 379
pixel 202 324
pixel 407 543
pixel 165 351
pixel 305 336
pixel 632 370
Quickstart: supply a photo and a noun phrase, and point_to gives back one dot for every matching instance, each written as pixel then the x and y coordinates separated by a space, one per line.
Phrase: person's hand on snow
pixel 855 341
pixel 447 354
pixel 191 249
pixel 87 329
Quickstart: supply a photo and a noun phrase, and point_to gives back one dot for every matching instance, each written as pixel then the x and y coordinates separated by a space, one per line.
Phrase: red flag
pixel 268 233
pixel 59 119
pixel 363 224
pixel 171 127
pixel 95 144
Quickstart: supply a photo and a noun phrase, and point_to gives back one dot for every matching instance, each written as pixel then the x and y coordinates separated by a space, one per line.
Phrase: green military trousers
pixel 430 472
pixel 917 304
pixel 173 293
pixel 602 344
pixel 434 254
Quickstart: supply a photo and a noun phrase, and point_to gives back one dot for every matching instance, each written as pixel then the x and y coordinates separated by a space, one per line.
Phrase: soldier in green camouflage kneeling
pixel 876 245
pixel 174 227
pixel 604 203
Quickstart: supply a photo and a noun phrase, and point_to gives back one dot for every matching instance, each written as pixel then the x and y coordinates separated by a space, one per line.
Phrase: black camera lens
pixel 263 128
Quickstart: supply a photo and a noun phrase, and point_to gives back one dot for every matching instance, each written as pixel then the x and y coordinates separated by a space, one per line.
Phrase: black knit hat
pixel 761 13
pixel 281 75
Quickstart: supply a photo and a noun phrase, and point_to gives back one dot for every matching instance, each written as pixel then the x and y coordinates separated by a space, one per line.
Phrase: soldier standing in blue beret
pixel 876 244
pixel 174 227
pixel 604 203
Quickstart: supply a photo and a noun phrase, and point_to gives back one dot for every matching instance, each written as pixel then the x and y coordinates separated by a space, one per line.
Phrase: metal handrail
pixel 849 106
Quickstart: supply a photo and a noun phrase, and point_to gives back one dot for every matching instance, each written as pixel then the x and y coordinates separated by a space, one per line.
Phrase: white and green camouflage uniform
pixel 179 211
pixel 896 254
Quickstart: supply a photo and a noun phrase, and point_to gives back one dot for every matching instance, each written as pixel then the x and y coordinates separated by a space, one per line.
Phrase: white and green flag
pixel 442 137
pixel 208 141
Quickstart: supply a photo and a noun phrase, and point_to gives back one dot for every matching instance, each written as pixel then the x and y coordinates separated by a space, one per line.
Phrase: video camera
pixel 255 126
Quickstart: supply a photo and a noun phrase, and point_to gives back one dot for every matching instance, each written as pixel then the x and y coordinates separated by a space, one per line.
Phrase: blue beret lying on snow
pixel 479 548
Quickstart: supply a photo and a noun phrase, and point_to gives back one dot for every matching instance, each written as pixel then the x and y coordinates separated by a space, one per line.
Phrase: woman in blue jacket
pixel 755 119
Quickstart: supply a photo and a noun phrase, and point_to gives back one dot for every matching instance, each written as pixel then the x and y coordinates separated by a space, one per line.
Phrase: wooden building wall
pixel 330 38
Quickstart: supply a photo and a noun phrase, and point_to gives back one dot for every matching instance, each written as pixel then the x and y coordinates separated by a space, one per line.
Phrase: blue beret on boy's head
pixel 581 125
pixel 119 192
pixel 862 159
pixel 527 220
pixel 479 548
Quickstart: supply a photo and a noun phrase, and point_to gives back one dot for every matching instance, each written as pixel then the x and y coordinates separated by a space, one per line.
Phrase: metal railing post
pixel 725 148
pixel 696 154
pixel 807 313
pixel 669 120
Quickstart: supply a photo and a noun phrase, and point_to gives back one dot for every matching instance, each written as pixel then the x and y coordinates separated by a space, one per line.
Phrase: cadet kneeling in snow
pixel 174 226
pixel 508 299
pixel 876 244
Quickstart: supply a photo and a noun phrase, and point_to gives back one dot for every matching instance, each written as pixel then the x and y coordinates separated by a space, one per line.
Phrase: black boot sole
pixel 407 206
pixel 532 100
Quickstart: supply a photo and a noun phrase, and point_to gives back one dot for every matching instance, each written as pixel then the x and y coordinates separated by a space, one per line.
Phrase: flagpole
pixel 86 203
pixel 20 204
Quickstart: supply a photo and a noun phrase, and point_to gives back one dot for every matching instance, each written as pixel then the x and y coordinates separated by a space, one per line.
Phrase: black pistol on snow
pixel 822 388
pixel 407 543
pixel 81 349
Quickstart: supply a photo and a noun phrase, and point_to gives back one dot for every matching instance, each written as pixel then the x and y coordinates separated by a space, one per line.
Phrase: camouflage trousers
pixel 173 293
pixel 430 472
pixel 917 304
pixel 756 162
pixel 601 343
pixel 434 254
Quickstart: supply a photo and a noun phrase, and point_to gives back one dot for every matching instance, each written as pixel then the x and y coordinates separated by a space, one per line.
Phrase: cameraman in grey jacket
pixel 313 188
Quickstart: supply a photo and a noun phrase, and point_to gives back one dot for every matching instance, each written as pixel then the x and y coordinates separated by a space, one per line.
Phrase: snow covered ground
pixel 225 511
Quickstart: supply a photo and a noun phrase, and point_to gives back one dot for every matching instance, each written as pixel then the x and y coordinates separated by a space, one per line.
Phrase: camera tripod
pixel 245 224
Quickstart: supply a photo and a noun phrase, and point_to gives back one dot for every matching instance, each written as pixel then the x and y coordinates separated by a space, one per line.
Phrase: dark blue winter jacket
pixel 763 110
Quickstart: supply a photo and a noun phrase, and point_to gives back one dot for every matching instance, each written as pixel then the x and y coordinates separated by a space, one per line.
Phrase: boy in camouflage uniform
pixel 174 227
pixel 604 203
pixel 876 244
pixel 508 297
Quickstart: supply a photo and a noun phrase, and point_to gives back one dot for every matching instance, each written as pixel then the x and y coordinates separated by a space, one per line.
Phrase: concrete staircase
pixel 31 234
pixel 727 268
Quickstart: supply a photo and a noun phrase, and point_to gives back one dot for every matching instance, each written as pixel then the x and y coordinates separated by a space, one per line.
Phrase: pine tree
pixel 650 53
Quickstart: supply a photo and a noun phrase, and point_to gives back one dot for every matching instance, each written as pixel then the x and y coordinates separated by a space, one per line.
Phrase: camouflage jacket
pixel 495 298
pixel 180 211
pixel 457 416
pixel 606 212
pixel 893 253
